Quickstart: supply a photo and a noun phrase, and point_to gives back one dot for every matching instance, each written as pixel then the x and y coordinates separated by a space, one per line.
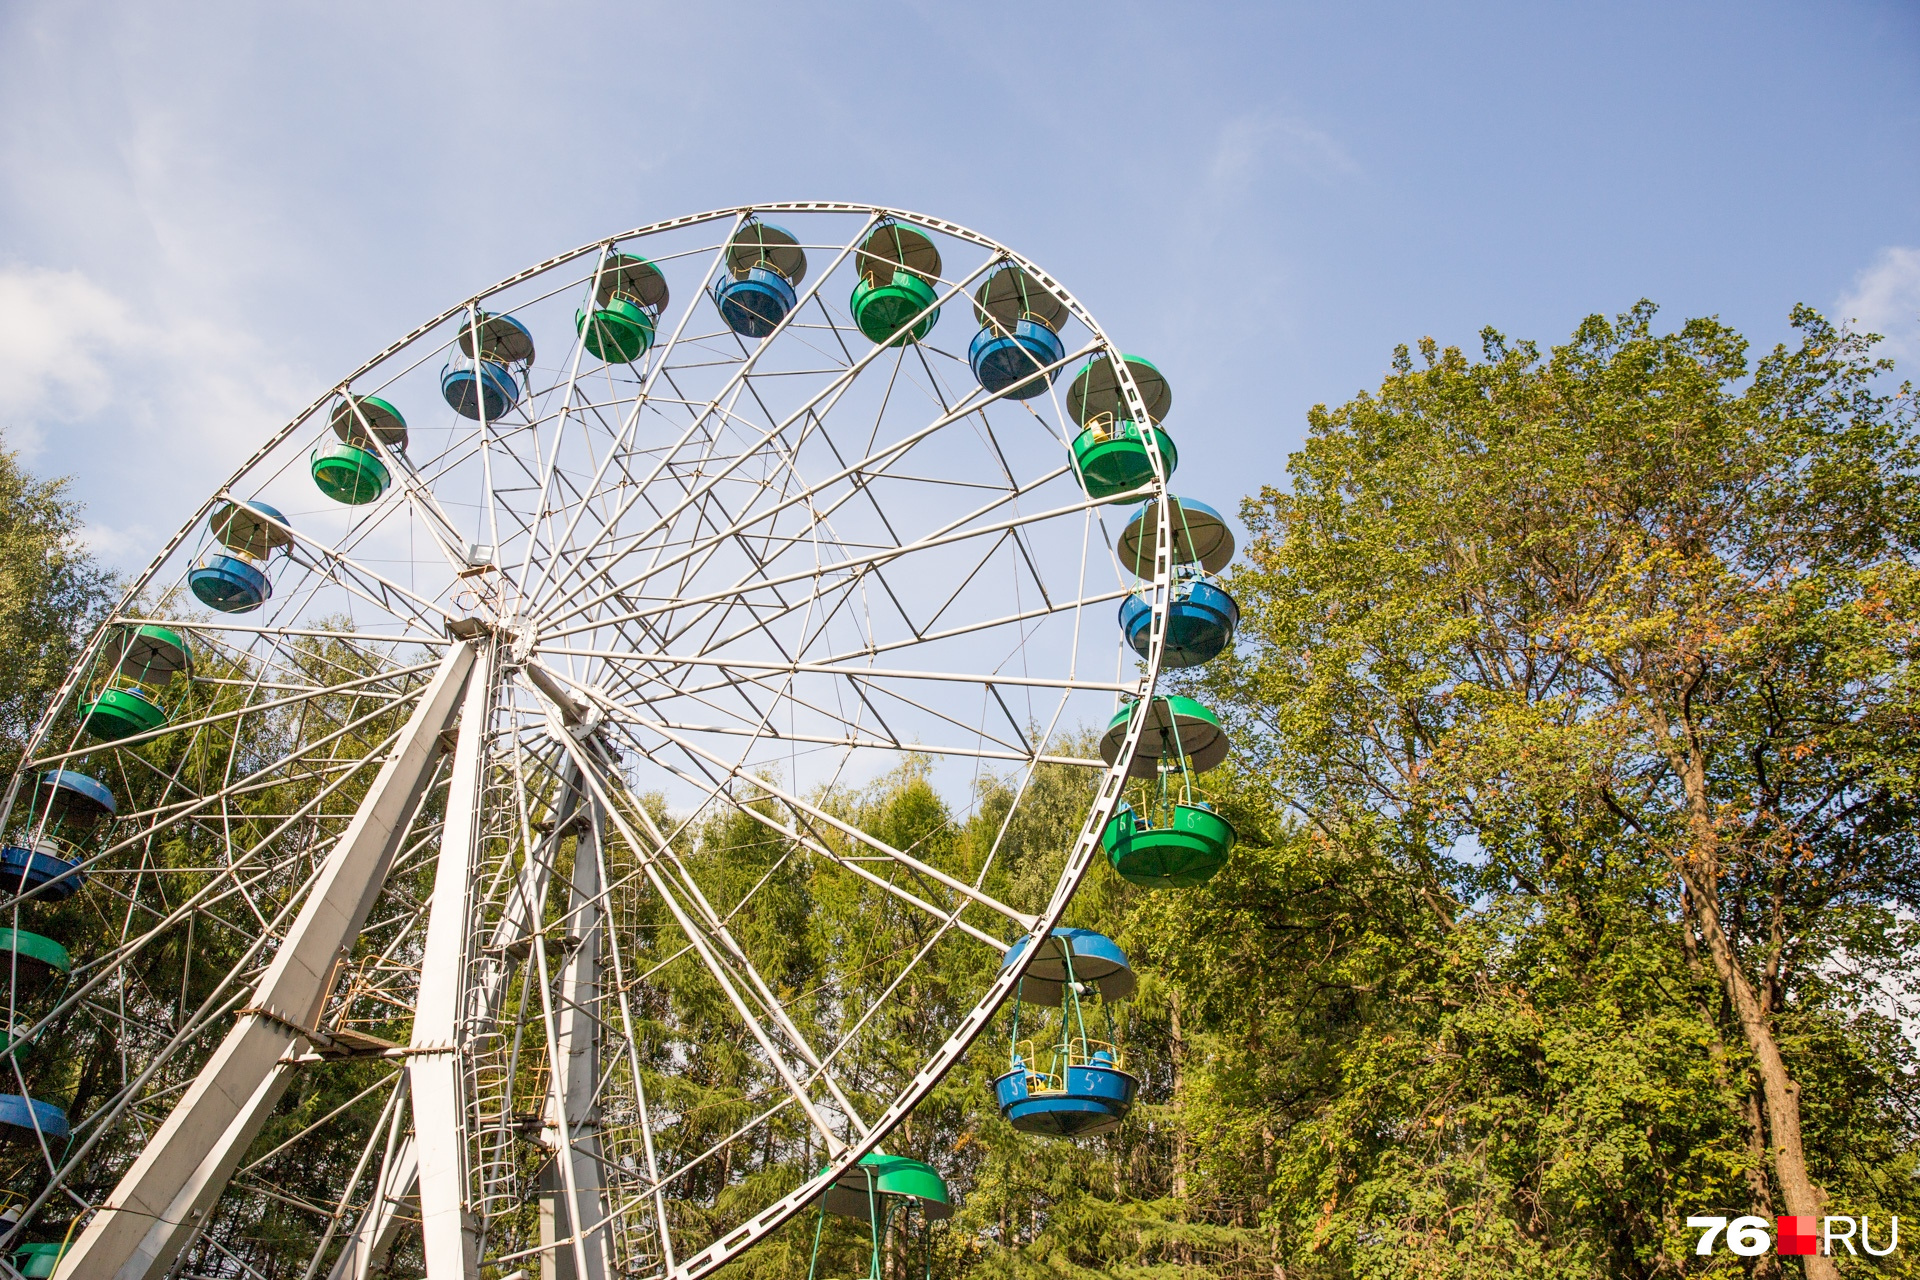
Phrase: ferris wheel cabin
pixel 232 573
pixel 351 470
pixel 1019 336
pixel 38 1260
pixel 69 814
pixel 30 964
pixel 139 663
pixel 1175 839
pixel 1201 620
pixel 764 267
pixel 1201 537
pixel 24 1122
pixel 1111 452
pixel 629 293
pixel 1074 1086
pixel 1177 728
pixel 877 1191
pixel 480 382
pixel 858 1192
pixel 893 302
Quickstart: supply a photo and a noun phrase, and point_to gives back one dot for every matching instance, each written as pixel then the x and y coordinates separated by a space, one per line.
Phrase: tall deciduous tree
pixel 51 593
pixel 1637 597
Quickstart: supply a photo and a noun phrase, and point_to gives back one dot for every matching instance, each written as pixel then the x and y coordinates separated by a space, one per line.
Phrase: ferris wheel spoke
pixel 378 1136
pixel 379 1221
pixel 224 717
pixel 845 592
pixel 876 464
pixel 838 668
pixel 703 513
pixel 118 1103
pixel 880 557
pixel 652 666
pixel 231 869
pixel 717 929
pixel 764 442
pixel 388 1081
pixel 723 606
pixel 415 497
pixel 629 426
pixel 631 1042
pixel 600 786
pixel 847 829
pixel 868 468
pixel 678 732
pixel 550 465
pixel 332 561
pixel 839 567
pixel 811 841
pixel 161 816
pixel 1007 750
pixel 351 639
pixel 868 651
pixel 736 379
pixel 641 399
pixel 828 664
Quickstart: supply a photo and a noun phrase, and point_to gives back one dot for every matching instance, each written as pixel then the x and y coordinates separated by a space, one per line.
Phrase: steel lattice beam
pixel 163 1200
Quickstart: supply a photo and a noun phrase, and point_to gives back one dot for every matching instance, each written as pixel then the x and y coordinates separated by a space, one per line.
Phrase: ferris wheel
pixel 365 872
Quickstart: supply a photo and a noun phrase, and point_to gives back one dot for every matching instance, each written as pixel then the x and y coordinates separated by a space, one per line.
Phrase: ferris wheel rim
pixel 343 386
pixel 1079 857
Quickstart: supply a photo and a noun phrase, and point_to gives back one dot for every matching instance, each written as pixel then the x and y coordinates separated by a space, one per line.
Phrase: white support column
pixel 434 1069
pixel 163 1198
pixel 374 1234
pixel 573 1191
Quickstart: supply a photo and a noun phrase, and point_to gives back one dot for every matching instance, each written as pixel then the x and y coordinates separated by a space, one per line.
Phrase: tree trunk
pixel 1700 868
pixel 1177 1050
pixel 1759 1192
pixel 1766 1266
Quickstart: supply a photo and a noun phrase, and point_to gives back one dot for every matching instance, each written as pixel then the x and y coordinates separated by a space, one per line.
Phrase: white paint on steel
pixel 157 1206
pixel 434 1072
pixel 575 1202
pixel 166 1193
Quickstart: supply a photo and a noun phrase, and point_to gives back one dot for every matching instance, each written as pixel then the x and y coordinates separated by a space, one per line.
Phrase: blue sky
pixel 210 213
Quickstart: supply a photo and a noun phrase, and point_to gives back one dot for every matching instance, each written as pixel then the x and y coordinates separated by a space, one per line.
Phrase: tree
pixel 1540 624
pixel 52 592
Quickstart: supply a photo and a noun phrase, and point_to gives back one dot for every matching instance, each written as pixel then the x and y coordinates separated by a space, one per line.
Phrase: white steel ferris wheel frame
pixel 164 1198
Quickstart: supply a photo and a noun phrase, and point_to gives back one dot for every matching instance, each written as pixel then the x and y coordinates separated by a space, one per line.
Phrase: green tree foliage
pixel 52 591
pixel 1574 779
pixel 1603 658
pixel 1456 1006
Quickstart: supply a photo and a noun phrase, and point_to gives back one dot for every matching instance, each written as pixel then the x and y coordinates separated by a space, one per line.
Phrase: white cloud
pixel 146 405
pixel 58 331
pixel 133 545
pixel 1885 298
pixel 1246 146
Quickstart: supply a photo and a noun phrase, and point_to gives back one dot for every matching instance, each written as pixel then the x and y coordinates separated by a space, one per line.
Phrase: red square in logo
pixel 1794 1237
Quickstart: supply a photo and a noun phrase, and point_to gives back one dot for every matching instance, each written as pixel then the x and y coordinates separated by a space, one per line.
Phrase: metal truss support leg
pixel 374 1234
pixel 170 1189
pixel 435 1070
pixel 573 1196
